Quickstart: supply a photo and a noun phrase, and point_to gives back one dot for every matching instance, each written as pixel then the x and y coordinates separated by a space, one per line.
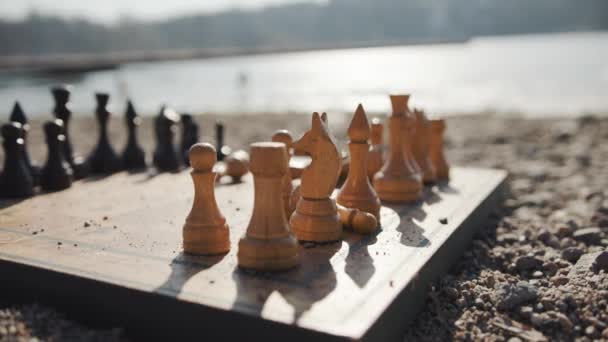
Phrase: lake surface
pixel 537 75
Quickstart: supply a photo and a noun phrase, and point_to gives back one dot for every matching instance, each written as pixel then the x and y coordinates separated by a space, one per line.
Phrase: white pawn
pixel 205 231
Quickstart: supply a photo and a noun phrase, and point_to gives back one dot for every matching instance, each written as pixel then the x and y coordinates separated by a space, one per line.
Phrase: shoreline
pixel 85 62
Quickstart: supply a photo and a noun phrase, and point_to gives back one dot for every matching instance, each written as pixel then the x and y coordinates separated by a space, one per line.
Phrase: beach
pixel 538 269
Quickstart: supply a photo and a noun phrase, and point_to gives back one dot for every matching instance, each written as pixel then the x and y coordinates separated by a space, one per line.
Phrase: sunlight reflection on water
pixel 542 74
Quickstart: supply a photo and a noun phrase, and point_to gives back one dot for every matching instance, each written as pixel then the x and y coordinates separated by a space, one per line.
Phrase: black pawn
pixel 17 115
pixel 62 111
pixel 56 173
pixel 222 150
pixel 165 155
pixel 189 136
pixel 16 180
pixel 103 159
pixel 133 156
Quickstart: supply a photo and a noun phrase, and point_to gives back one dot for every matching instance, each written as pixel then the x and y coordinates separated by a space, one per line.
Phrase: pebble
pixel 567 242
pixel 527 262
pixel 564 322
pixel 601 261
pixel 572 254
pixel 526 311
pixel 550 268
pixel 560 280
pixel 590 331
pixel 451 293
pixel 564 231
pixel 544 235
pixel 509 296
pixel 584 264
pixel 539 319
pixel 508 238
pixel 590 235
pixel 537 274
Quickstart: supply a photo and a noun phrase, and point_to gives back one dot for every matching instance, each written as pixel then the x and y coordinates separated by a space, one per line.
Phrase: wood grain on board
pixel 114 245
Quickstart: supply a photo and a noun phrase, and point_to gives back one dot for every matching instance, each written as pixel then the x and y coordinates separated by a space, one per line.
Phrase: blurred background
pixel 538 58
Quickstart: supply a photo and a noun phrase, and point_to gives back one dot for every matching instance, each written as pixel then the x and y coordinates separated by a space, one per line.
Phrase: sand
pixel 537 270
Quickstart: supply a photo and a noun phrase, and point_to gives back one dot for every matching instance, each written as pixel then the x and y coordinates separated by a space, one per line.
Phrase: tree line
pixel 305 24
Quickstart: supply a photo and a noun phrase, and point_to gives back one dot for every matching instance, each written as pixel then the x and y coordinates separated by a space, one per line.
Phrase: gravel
pixel 37 323
pixel 544 250
pixel 557 209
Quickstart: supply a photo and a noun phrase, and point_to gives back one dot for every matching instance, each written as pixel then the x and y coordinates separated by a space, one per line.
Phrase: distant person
pixel 242 85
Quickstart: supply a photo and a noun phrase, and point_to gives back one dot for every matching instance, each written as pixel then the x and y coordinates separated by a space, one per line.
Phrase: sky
pixel 108 11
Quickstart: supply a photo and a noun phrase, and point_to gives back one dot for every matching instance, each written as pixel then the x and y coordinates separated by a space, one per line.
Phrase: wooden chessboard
pixel 108 252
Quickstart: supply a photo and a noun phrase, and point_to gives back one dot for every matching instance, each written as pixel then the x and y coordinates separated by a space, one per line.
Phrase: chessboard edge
pixel 411 299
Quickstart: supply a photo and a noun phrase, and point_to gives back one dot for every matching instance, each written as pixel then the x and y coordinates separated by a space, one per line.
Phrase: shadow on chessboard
pixel 301 287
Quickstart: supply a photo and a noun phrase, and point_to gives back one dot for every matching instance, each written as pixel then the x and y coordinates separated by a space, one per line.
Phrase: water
pixel 537 75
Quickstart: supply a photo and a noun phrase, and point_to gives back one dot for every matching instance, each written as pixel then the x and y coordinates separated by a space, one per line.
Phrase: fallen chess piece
pixel 268 244
pixel 350 218
pixel 205 231
pixel 357 220
pixel 236 165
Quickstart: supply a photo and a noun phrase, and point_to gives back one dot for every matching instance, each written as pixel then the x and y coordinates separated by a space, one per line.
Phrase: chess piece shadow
pixel 359 263
pixel 149 174
pixel 301 287
pixel 429 196
pixel 412 234
pixel 445 187
pixel 9 202
pixel 319 277
pixel 183 267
